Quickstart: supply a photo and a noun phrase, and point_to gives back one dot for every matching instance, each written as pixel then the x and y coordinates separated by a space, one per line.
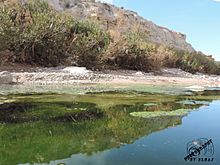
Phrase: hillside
pixel 115 19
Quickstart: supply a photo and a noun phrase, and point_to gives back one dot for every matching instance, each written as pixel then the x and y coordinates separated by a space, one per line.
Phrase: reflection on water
pixel 90 129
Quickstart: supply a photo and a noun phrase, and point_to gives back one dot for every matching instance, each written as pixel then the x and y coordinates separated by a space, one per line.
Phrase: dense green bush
pixel 196 62
pixel 131 52
pixel 39 35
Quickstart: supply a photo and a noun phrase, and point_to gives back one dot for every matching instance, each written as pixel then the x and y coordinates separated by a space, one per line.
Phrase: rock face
pixel 118 20
pixel 5 77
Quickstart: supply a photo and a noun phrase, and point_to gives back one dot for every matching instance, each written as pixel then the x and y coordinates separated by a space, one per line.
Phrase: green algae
pixel 4 100
pixel 106 99
pixel 150 104
pixel 193 102
pixel 92 88
pixel 50 106
pixel 156 114
pixel 101 99
pixel 34 111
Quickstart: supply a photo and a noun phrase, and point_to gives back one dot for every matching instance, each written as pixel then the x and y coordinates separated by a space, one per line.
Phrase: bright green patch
pixel 4 100
pixel 179 112
pixel 193 102
pixel 150 104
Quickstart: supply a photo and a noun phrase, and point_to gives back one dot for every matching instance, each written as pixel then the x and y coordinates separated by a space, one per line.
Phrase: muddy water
pixel 98 128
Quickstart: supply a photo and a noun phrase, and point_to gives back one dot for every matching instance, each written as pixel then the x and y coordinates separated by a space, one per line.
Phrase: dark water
pixel 97 129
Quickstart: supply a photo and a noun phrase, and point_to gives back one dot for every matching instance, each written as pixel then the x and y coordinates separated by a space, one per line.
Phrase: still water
pixel 98 128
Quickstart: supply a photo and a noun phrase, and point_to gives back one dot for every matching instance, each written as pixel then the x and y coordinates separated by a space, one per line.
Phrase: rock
pixel 76 70
pixel 6 77
pixel 139 73
pixel 196 88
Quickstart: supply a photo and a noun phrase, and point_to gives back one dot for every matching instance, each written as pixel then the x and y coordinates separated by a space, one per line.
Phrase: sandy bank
pixel 79 75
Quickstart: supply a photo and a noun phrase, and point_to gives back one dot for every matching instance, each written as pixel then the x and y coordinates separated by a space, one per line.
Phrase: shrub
pixel 130 52
pixel 191 62
pixel 196 62
pixel 40 35
pixel 167 56
pixel 90 43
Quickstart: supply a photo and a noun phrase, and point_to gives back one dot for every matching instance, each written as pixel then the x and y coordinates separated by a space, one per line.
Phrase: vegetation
pixel 132 52
pixel 179 112
pixel 39 35
pixel 197 62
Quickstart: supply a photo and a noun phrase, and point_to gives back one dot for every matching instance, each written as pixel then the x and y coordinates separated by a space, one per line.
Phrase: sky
pixel 198 19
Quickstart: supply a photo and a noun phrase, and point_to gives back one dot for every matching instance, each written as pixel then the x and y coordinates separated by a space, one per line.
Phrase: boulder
pixel 6 77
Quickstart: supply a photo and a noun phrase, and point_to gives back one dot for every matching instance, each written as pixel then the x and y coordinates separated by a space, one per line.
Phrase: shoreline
pixel 80 75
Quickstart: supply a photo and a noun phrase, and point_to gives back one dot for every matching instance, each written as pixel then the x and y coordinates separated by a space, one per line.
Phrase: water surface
pixel 97 128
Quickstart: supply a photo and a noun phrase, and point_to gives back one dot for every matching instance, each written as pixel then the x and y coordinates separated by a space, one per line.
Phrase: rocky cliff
pixel 118 20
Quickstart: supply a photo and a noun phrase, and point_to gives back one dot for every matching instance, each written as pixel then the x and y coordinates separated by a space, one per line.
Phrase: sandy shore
pixel 73 75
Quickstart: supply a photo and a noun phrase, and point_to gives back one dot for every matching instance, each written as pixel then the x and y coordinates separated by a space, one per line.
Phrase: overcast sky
pixel 198 19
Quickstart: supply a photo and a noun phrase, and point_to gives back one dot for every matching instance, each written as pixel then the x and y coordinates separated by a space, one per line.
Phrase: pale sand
pixel 165 77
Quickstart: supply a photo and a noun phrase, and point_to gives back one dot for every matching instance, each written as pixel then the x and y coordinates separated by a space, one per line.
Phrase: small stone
pixel 139 73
